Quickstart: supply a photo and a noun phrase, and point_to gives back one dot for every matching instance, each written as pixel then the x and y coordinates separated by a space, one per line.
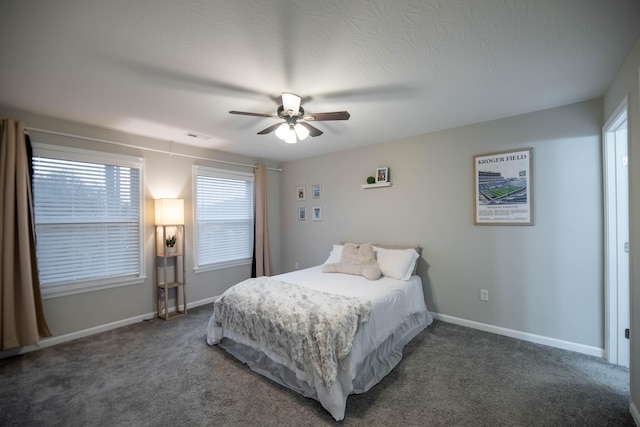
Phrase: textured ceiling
pixel 164 68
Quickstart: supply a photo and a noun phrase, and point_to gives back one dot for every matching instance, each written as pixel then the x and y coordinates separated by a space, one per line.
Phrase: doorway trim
pixel 611 332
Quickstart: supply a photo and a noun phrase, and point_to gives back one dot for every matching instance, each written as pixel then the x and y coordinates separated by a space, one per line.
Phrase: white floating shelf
pixel 377 185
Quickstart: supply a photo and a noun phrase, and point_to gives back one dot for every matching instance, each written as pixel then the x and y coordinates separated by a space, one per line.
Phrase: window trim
pixel 216 173
pixel 91 156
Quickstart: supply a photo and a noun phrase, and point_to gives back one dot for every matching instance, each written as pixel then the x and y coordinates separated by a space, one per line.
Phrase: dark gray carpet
pixel 164 373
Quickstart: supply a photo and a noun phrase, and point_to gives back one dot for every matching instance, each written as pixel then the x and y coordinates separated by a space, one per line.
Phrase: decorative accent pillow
pixel 356 259
pixel 335 255
pixel 397 263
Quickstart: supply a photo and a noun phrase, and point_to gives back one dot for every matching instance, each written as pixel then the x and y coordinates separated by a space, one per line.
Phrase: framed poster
pixel 502 189
pixel 302 213
pixel 300 193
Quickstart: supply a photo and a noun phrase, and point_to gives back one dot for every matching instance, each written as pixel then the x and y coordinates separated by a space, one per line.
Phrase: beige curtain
pixel 22 319
pixel 261 258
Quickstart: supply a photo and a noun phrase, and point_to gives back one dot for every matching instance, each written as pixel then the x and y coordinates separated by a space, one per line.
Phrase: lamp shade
pixel 282 131
pixel 301 131
pixel 291 137
pixel 169 211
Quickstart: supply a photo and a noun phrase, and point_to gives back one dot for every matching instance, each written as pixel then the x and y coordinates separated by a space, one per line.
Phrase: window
pixel 223 218
pixel 88 217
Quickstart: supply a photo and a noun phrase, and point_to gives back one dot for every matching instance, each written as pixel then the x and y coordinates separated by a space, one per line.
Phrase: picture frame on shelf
pixel 503 188
pixel 382 174
pixel 317 213
pixel 300 193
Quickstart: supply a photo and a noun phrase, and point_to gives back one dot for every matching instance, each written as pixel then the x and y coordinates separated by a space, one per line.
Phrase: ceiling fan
pixel 295 125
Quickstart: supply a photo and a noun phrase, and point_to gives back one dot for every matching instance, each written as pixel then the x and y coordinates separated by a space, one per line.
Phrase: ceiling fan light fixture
pixel 286 133
pixel 301 131
pixel 291 137
pixel 282 131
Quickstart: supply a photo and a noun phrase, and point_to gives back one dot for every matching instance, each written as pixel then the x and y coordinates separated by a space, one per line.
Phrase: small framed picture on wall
pixel 315 191
pixel 382 174
pixel 300 193
pixel 302 213
pixel 317 213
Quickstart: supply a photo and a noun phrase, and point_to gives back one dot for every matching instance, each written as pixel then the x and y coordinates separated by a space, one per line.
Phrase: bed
pixel 323 332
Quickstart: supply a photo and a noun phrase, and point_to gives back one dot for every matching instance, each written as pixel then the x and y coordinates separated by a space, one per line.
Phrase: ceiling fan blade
pixel 313 131
pixel 244 113
pixel 291 102
pixel 336 115
pixel 269 129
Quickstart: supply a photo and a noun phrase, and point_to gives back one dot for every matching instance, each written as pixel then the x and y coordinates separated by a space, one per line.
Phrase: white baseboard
pixel 525 336
pixel 204 302
pixel 48 342
pixel 635 413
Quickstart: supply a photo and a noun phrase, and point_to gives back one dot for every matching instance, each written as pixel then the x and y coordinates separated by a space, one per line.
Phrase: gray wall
pixel 545 279
pixel 626 83
pixel 164 176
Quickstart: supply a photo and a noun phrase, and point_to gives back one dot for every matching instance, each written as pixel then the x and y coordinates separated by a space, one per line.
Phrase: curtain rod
pixel 156 150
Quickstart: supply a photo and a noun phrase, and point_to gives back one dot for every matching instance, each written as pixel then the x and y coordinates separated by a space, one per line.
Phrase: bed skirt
pixel 358 376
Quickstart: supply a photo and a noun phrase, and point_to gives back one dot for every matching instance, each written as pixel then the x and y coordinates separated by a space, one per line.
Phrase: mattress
pixel 398 313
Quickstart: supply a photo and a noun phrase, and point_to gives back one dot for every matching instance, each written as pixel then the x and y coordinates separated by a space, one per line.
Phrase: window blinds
pixel 88 220
pixel 223 217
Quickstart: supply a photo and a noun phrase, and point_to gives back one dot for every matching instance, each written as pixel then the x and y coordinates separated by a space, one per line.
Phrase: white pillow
pixel 396 263
pixel 335 256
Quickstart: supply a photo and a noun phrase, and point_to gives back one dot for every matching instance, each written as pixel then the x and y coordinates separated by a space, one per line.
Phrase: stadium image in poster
pixel 502 188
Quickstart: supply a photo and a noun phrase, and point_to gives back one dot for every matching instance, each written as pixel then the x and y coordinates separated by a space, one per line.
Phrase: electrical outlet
pixel 295 265
pixel 484 295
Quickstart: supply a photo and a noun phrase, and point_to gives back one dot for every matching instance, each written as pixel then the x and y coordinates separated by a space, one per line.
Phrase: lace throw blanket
pixel 313 329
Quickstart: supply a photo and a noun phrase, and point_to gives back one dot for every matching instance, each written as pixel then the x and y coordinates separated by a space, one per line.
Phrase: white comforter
pixel 397 306
pixel 314 329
